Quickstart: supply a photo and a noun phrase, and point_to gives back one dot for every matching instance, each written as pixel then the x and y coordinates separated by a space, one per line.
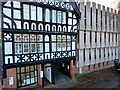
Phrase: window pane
pixel 70 14
pixel 25 37
pixel 18 70
pixel 27 69
pixel 53 47
pixel 46 38
pixel 40 47
pixel 59 43
pixel 23 79
pixel 32 74
pixel 47 15
pixel 31 68
pixel 39 13
pixel 33 37
pixel 18 48
pixel 26 11
pixel 32 80
pixel 68 43
pixel 53 37
pixel 28 75
pixel 47 47
pixel 54 16
pixel 18 38
pixel 39 38
pixel 63 18
pixel 59 16
pixel 22 69
pixel 26 47
pixel 33 47
pixel 33 13
pixel 63 43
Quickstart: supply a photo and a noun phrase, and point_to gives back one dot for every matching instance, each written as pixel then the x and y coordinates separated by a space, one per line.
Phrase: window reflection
pixel 26 11
pixel 18 48
pixel 27 76
pixel 18 38
pixel 54 16
pixel 58 42
pixel 33 12
pixel 25 37
pixel 59 16
pixel 33 37
pixel 26 48
pixel 39 13
pixel 40 47
pixel 63 42
pixel 63 17
pixel 68 43
pixel 33 47
pixel 39 38
pixel 47 15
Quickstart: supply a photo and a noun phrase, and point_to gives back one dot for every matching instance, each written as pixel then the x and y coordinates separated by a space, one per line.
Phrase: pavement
pixel 82 80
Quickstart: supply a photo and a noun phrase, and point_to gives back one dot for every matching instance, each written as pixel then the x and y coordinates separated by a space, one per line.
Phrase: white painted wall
pixel 87 39
pixel 47 72
pixel 81 38
pixel 104 31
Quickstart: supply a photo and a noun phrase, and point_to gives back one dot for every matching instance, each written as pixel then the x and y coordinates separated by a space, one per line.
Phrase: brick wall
pixel 10 73
pixel 98 66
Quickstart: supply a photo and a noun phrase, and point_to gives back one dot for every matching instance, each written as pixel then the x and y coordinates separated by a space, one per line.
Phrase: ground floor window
pixel 26 75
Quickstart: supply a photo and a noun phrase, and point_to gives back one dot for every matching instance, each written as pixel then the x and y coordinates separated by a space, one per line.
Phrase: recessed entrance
pixel 61 71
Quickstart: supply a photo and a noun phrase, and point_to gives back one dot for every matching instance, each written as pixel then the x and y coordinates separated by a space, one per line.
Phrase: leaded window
pixel 26 75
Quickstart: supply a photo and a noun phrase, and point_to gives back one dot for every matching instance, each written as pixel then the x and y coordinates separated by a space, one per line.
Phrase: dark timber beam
pixel 76 8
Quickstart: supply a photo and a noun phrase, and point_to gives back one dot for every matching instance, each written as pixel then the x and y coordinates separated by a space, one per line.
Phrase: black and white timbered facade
pixel 39 32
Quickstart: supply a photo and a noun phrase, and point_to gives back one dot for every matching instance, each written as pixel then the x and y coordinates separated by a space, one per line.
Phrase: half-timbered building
pixel 38 38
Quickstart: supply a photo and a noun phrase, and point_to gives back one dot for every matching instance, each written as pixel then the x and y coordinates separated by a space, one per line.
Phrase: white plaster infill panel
pixel 8 47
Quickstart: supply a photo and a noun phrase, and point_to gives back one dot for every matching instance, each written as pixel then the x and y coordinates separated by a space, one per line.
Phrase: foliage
pixel 118 6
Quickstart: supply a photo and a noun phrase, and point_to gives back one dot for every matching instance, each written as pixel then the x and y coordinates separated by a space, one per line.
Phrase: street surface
pixel 112 81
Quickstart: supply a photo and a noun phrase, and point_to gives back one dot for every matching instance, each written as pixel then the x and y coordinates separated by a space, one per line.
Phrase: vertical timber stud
pixel 53 78
pixel 0 45
pixel 43 76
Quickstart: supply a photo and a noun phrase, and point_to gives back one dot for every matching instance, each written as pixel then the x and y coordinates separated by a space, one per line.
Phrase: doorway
pixel 47 74
pixel 61 71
